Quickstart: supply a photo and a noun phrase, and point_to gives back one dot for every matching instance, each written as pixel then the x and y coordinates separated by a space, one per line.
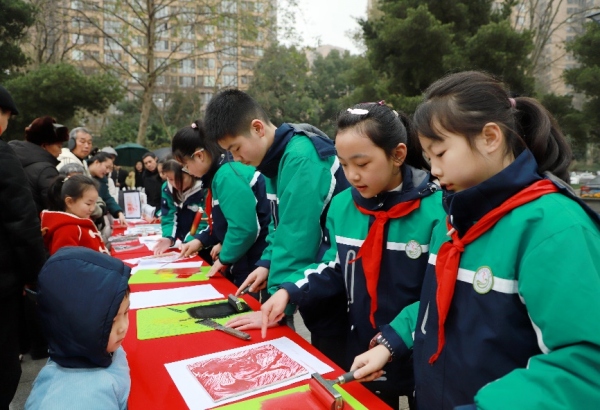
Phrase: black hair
pixel 230 113
pixel 386 128
pixel 149 154
pixel 177 169
pixel 464 102
pixel 63 187
pixel 100 157
pixel 190 139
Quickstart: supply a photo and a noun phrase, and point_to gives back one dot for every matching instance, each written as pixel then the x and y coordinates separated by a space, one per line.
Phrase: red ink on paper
pixel 245 371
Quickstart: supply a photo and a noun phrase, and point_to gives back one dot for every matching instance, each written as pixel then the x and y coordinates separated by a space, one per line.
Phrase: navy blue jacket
pixel 79 294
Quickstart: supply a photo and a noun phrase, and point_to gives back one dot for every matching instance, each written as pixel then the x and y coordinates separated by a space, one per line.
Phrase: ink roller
pixel 325 393
pixel 236 303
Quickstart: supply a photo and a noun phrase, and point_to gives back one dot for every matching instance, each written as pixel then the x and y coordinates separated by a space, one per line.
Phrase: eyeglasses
pixel 185 167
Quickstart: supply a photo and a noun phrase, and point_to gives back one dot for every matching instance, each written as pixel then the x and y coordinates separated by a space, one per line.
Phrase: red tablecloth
pixel 151 385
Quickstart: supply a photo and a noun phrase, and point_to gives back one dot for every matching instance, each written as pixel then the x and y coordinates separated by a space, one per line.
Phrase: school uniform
pixel 303 175
pixel 62 229
pixel 523 324
pixel 398 277
pixel 178 213
pixel 240 216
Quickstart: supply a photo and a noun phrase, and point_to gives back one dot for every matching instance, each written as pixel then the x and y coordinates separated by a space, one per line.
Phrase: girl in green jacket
pixel 509 313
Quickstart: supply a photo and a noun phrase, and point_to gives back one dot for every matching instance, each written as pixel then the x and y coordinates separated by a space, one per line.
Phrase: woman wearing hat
pixel 38 155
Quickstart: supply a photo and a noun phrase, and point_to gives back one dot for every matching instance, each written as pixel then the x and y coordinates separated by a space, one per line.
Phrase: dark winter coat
pixel 40 170
pixel 21 247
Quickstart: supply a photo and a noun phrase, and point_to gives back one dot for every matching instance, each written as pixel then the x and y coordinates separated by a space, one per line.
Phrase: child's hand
pixel 217 267
pixel 257 278
pixel 215 251
pixel 273 309
pixel 370 363
pixel 190 248
pixel 161 246
pixel 122 219
pixel 250 321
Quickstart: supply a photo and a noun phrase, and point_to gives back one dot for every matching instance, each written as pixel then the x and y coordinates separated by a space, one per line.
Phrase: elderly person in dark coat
pixel 38 153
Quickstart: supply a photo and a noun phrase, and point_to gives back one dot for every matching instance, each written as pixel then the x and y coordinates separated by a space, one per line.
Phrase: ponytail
pixel 462 103
pixel 64 186
pixel 542 135
pixel 414 151
pixel 386 128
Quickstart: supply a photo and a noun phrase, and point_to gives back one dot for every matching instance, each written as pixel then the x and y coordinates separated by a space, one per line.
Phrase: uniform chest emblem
pixel 193 208
pixel 413 249
pixel 483 281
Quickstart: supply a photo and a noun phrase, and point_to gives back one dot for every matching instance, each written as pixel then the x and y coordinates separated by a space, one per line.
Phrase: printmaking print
pixel 245 371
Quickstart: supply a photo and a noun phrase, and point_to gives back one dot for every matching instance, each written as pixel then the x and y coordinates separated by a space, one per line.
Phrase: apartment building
pixel 199 45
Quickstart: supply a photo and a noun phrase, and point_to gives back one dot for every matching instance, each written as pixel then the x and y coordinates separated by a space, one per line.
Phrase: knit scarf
pixel 372 247
pixel 448 258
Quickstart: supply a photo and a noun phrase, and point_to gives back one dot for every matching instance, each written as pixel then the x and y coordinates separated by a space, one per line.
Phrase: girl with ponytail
pixel 377 237
pixel 509 314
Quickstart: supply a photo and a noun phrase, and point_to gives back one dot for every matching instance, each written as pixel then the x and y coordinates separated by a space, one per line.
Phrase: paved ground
pixel 31 368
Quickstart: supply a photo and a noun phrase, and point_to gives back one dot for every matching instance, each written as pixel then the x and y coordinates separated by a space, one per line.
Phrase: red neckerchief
pixel 448 258
pixel 209 210
pixel 373 246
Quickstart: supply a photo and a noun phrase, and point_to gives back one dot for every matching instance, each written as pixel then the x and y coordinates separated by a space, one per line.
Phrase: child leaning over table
pixel 83 299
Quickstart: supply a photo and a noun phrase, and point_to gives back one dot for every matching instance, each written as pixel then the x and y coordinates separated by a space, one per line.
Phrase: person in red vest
pixel 509 313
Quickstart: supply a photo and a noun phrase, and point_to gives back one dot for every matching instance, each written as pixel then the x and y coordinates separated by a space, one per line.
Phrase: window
pixel 228 6
pixel 162 45
pixel 246 79
pixel 76 55
pixel 92 55
pixel 139 41
pixel 208 63
pixel 187 67
pixel 77 38
pixel 229 36
pixel 112 58
pixel 209 81
pixel 110 44
pixel 205 97
pixel 229 80
pixel 185 81
pixel 208 47
pixel 112 27
pixel 248 6
pixel 162 12
pixel 162 80
pixel 229 66
pixel 247 64
pixel 160 62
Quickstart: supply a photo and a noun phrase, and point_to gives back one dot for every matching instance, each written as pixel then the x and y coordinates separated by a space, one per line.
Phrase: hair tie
pixel 357 111
pixel 382 102
pixel 194 126
pixel 66 179
pixel 513 102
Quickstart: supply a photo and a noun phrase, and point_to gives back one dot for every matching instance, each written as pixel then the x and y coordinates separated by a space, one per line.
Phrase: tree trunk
pixel 145 116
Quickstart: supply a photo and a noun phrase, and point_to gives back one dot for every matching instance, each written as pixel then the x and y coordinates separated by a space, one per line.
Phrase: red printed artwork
pixel 245 371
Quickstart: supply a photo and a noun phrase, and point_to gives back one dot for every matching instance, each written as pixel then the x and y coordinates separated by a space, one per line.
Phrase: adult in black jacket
pixel 21 253
pixel 151 179
pixel 38 153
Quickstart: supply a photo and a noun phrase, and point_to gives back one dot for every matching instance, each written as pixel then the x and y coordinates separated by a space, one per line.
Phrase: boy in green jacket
pixel 303 174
